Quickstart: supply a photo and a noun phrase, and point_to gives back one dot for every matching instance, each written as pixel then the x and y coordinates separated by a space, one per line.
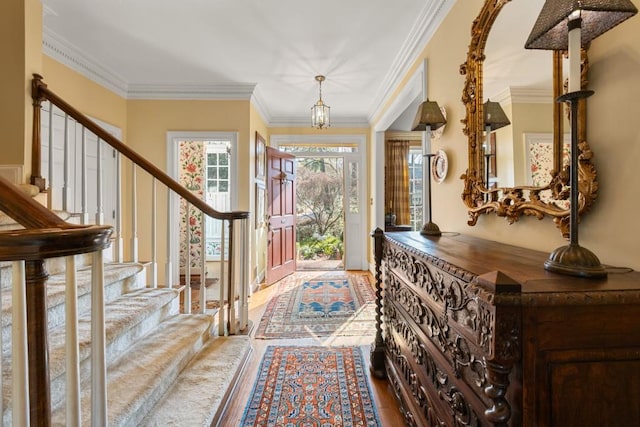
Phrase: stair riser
pixel 115 349
pixel 56 313
pixel 52 266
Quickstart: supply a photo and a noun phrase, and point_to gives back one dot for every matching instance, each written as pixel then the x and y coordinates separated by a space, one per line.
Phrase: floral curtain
pixel 397 180
pixel 192 170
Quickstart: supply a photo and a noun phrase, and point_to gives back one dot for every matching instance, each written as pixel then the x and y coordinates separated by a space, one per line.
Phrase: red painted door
pixel 281 210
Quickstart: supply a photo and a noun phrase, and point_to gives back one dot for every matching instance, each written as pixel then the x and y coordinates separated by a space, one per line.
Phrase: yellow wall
pixel 20 44
pixel 148 122
pixel 526 118
pixel 611 229
pixel 85 95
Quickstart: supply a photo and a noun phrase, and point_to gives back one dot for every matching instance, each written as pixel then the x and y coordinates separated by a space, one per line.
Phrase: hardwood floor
pixel 383 396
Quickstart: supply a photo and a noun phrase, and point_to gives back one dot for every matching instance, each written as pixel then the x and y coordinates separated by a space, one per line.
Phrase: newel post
pixel 378 346
pixel 36 138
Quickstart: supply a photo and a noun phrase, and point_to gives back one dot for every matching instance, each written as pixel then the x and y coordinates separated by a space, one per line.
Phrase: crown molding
pixel 216 91
pixel 66 53
pixel 524 95
pixel 423 29
pixel 304 121
pixel 258 102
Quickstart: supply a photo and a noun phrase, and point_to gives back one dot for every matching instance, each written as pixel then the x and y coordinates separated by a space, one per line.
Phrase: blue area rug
pixel 311 386
pixel 320 305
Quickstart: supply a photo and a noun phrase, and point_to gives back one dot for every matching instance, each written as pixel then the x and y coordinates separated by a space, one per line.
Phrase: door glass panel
pixel 354 206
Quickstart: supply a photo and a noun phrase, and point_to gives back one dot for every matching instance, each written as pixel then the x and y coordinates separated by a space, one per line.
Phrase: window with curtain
pixel 415 188
pixel 397 180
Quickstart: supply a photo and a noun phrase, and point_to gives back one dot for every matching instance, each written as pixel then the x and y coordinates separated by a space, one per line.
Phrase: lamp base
pixel 575 260
pixel 430 229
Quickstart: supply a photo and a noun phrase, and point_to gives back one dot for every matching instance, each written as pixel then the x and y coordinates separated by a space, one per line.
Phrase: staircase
pixel 163 367
pixel 86 340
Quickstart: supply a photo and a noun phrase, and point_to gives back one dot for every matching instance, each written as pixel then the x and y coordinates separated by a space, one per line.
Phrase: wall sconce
pixel 429 118
pixel 494 119
pixel 571 24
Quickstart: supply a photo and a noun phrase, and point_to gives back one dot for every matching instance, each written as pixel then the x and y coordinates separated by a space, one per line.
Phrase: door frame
pixel 173 205
pixel 359 140
pixel 411 95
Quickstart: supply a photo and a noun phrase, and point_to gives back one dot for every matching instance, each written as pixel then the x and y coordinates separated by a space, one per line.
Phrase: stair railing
pixel 45 236
pixel 233 298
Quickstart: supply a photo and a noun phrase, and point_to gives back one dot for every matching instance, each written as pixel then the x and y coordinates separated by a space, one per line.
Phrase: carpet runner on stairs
pixel 151 350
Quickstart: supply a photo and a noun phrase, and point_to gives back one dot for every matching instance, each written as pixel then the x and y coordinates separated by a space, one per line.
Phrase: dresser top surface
pixel 525 266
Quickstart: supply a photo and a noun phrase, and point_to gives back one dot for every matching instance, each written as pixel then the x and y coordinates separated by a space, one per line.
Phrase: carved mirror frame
pixel 514 202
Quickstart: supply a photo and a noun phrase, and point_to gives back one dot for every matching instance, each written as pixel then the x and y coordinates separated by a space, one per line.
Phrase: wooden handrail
pixel 44 243
pixel 41 92
pixel 26 211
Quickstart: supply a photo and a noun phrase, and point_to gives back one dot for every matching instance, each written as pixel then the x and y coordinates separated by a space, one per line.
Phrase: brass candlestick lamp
pixel 572 24
pixel 428 118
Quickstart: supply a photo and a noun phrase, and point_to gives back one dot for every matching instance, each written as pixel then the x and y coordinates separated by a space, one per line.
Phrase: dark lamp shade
pixel 550 31
pixel 429 114
pixel 494 116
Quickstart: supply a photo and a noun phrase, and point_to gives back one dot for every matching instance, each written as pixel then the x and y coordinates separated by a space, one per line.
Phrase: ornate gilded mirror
pixel 525 187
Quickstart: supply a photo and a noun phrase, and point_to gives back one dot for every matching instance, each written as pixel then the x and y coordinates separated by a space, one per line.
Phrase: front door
pixel 281 209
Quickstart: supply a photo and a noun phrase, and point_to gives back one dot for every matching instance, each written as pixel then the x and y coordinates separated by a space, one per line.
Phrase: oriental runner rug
pixel 311 386
pixel 327 304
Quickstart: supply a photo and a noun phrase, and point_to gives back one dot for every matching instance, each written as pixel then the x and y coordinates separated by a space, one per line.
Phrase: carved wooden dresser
pixel 473 332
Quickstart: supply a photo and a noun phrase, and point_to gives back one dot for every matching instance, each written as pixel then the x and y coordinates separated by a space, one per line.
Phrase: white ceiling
pixel 265 50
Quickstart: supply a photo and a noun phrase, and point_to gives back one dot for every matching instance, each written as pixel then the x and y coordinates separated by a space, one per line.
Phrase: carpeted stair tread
pixel 56 284
pixel 124 324
pixel 120 315
pixel 199 393
pixel 140 376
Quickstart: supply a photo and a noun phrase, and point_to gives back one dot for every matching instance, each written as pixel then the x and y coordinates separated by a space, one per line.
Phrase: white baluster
pixel 98 352
pixel 134 215
pixel 231 294
pixel 20 373
pixel 118 223
pixel 154 239
pixel 51 180
pixel 187 267
pixel 72 350
pixel 244 281
pixel 65 167
pixel 99 203
pixel 203 262
pixel 223 281
pixel 168 272
pixel 83 178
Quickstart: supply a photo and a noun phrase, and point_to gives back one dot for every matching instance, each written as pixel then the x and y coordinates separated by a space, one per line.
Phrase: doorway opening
pixel 341 220
pixel 320 213
pixel 206 164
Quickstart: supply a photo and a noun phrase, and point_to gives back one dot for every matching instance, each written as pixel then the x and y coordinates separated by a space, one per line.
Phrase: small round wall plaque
pixel 440 166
